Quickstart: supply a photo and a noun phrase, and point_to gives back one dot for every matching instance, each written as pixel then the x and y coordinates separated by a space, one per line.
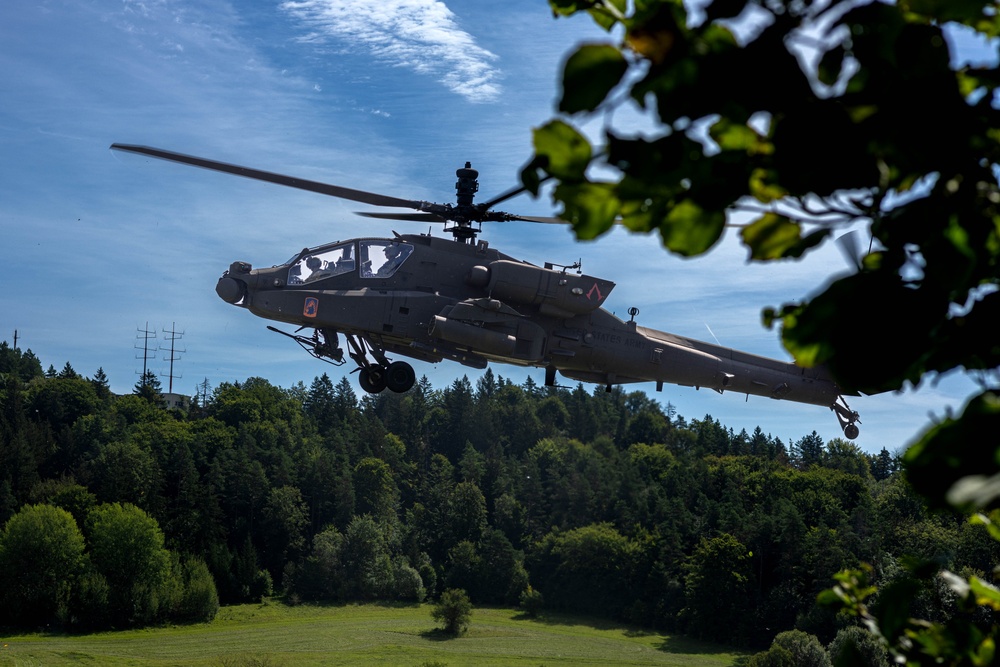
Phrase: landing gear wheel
pixel 372 379
pixel 399 376
pixel 846 417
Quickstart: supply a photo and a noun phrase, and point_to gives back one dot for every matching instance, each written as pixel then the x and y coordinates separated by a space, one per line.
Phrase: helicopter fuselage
pixel 469 303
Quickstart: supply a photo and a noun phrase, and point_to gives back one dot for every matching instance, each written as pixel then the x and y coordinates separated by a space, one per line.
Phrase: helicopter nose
pixel 230 290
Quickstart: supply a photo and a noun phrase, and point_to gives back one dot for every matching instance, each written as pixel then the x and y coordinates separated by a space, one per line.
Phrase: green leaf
pixel 986 594
pixel 591 207
pixel 764 187
pixel 887 351
pixel 564 152
pixel 689 229
pixel 989 26
pixel 985 653
pixel 589 75
pixel 570 7
pixel 530 177
pixel 608 13
pixel 655 32
pixel 989 521
pixel 774 236
pixel 851 591
pixel 947 10
pixel 832 597
pixel 732 136
pixel 771 236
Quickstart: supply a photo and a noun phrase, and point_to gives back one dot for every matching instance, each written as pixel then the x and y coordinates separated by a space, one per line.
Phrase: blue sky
pixel 384 96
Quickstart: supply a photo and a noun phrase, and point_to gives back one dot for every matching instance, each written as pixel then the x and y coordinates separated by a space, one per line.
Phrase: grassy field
pixel 274 635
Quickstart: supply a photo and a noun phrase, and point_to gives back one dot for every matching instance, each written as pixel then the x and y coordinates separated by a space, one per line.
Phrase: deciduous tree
pixel 126 547
pixel 41 557
pixel 716 587
pixel 586 569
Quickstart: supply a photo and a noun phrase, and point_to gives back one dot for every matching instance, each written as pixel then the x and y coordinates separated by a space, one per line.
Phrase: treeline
pixel 597 502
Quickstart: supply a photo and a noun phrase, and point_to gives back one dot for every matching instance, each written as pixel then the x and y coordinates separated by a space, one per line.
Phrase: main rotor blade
pixel 412 217
pixel 278 179
pixel 532 218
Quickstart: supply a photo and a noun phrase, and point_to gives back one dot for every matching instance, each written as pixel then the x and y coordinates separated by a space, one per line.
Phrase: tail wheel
pixel 372 379
pixel 399 376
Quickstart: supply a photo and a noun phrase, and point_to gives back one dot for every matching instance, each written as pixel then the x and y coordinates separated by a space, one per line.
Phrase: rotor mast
pixel 466 188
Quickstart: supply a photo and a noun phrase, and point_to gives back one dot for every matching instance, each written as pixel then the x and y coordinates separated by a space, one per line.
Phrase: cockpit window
pixel 322 263
pixel 381 259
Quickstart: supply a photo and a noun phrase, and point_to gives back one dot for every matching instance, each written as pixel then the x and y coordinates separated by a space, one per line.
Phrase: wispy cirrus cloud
pixel 421 35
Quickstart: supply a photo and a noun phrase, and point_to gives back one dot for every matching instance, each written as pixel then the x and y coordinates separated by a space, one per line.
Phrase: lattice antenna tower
pixel 145 335
pixel 173 336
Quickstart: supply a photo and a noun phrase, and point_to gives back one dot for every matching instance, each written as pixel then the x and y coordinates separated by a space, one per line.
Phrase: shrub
pixel 857 646
pixel 199 601
pixel 453 610
pixel 792 649
pixel 776 656
pixel 408 584
pixel 531 601
pixel 804 647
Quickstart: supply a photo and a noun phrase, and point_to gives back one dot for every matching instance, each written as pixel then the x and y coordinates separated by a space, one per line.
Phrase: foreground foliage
pixel 795 121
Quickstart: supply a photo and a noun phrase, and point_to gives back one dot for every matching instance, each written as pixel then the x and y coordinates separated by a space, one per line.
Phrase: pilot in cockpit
pixel 393 258
pixel 315 264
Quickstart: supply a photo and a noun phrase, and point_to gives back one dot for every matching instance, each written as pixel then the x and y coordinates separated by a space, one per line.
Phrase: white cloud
pixel 421 35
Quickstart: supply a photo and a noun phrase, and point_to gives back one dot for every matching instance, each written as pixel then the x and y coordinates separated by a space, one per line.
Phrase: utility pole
pixel 15 339
pixel 173 336
pixel 145 335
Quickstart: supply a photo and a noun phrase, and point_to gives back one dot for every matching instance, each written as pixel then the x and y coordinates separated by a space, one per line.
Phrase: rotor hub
pixel 467 185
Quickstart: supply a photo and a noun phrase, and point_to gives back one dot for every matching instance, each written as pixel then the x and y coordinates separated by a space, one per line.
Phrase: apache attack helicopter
pixel 431 299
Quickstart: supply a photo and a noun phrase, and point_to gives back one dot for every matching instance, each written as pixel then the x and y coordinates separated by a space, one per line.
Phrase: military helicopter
pixel 431 298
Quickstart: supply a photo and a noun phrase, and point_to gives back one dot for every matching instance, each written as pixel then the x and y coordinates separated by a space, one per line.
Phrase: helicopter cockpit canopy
pixel 379 259
pixel 322 262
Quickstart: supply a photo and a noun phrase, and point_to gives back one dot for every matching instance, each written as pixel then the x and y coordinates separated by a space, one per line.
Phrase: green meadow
pixel 275 635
